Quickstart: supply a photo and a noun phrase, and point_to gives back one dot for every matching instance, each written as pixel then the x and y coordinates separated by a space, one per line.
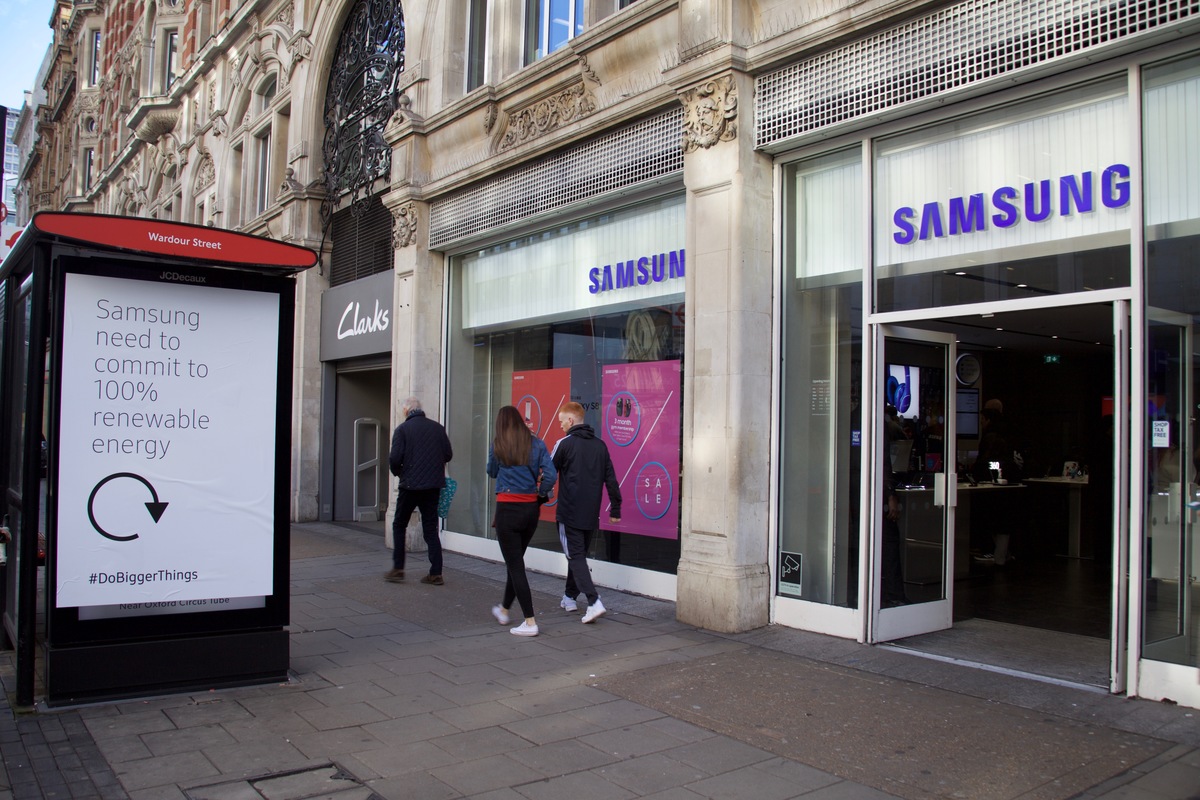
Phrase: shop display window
pixel 1170 551
pixel 592 312
pixel 821 427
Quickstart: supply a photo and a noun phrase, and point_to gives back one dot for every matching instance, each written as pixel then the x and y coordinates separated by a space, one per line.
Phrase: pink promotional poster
pixel 640 425
pixel 538 394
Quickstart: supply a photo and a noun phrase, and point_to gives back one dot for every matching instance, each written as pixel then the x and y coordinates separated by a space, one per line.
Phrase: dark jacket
pixel 420 451
pixel 584 468
pixel 522 479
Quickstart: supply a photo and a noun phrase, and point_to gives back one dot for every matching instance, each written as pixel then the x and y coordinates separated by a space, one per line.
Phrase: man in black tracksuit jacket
pixel 584 469
pixel 420 451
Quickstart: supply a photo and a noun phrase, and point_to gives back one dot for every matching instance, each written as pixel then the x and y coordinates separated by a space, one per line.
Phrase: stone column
pixel 417 318
pixel 724 580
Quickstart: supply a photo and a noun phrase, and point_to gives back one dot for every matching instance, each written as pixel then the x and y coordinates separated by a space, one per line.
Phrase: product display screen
pixel 966 408
pixel 904 390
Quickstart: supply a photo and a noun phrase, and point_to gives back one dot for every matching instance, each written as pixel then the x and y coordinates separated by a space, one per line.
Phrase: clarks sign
pixel 356 318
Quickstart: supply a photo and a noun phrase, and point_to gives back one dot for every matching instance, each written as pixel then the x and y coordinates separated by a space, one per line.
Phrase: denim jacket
pixel 523 479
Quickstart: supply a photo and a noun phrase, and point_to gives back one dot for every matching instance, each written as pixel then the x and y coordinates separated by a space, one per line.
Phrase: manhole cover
pixel 326 781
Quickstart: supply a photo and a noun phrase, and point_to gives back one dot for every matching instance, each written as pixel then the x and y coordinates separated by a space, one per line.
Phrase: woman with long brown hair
pixel 521 466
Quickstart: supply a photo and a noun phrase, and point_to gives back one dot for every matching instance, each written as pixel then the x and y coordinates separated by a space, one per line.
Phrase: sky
pixel 24 36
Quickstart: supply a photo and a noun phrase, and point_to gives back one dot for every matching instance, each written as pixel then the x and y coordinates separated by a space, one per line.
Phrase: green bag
pixel 446 496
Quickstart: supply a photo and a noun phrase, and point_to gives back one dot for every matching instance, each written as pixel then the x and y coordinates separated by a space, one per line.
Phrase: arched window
pixel 359 100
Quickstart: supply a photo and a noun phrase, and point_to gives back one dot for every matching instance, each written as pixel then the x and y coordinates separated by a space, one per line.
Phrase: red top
pixel 513 497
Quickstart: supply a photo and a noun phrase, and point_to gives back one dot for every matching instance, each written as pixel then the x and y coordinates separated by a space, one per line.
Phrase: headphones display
pixel 899 393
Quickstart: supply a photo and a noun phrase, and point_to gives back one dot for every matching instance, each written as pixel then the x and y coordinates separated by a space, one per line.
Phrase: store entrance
pixel 1032 566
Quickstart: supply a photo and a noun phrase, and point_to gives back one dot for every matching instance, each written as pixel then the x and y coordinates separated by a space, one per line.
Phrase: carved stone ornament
pixel 286 16
pixel 206 172
pixel 290 184
pixel 404 225
pixel 489 118
pixel 300 48
pixel 168 8
pixel 569 104
pixel 710 114
pixel 219 125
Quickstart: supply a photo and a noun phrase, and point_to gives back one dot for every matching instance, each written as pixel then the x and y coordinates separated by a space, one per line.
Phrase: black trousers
pixel 426 501
pixel 515 526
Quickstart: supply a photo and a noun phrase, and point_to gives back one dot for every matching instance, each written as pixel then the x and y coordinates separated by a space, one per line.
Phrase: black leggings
pixel 515 526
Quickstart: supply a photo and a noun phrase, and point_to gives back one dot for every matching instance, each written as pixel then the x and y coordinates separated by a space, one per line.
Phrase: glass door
pixel 1173 491
pixel 912 542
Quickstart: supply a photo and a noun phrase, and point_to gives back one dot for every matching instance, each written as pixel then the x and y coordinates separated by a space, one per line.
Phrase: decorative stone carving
pixel 286 16
pixel 489 118
pixel 206 172
pixel 156 124
pixel 171 8
pixel 567 105
pixel 290 184
pixel 300 48
pixel 404 225
pixel 710 114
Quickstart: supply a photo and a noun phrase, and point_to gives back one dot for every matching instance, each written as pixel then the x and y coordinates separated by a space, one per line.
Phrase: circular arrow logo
pixel 155 507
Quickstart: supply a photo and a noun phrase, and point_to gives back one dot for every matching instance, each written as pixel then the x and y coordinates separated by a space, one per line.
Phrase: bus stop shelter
pixel 145 438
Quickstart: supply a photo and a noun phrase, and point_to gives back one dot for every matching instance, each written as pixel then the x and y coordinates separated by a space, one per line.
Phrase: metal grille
pixel 637 153
pixel 951 48
pixel 362 242
pixel 360 99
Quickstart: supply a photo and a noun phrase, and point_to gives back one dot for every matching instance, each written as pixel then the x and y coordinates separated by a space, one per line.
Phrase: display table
pixel 921 529
pixel 1074 488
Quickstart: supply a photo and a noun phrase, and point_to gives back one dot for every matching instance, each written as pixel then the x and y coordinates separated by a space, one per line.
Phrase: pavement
pixel 413 691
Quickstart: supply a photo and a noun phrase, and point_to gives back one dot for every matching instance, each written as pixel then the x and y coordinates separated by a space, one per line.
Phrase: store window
pixel 1021 201
pixel 1170 554
pixel 590 311
pixel 820 469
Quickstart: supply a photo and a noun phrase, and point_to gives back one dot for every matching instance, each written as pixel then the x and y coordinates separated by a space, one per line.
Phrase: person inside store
pixel 521 466
pixel 892 576
pixel 997 463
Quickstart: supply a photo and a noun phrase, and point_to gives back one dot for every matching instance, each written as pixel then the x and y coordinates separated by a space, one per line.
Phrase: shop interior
pixel 1033 527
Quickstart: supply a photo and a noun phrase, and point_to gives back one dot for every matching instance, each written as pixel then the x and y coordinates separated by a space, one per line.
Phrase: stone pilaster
pixel 724 580
pixel 417 319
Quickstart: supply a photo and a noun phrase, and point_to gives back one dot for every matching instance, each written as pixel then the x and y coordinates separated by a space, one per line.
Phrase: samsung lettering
pixel 1007 206
pixel 636 272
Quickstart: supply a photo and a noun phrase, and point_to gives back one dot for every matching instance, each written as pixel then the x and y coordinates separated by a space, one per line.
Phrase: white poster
pixel 166 458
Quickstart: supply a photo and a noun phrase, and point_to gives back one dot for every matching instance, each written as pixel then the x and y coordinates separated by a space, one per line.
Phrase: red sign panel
pixel 175 239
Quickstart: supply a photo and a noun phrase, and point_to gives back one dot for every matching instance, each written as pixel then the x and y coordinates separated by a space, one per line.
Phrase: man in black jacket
pixel 420 452
pixel 584 469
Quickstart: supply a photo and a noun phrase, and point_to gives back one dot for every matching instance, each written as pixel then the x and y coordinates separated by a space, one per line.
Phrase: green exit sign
pixel 1051 358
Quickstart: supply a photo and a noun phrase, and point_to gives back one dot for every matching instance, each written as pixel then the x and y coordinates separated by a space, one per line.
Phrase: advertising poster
pixel 640 425
pixel 538 394
pixel 167 445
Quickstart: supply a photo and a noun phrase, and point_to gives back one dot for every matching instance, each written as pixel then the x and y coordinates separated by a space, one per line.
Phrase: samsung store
pixel 987 320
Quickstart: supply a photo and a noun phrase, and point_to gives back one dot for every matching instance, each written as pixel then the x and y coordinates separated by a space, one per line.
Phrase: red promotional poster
pixel 537 395
pixel 640 425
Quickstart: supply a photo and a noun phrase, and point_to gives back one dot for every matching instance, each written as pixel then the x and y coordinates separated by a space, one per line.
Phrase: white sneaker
pixel 525 629
pixel 500 614
pixel 594 612
pixel 568 604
